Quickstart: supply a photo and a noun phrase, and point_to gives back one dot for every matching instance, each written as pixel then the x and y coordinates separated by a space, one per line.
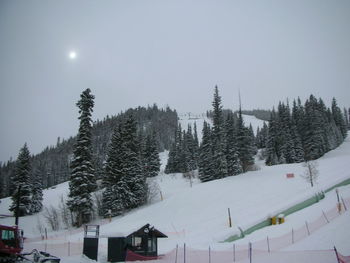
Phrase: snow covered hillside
pixel 197 214
pixel 190 119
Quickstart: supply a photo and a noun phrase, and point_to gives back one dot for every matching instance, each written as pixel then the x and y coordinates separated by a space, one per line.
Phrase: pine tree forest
pixel 52 165
pixel 27 196
pixel 119 154
pixel 305 132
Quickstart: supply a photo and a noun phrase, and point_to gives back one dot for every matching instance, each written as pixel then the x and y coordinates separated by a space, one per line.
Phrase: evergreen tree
pixel 217 117
pixel 113 174
pixel 253 145
pixel 115 158
pixel 314 144
pixel 346 118
pixel 82 173
pixel 133 175
pixel 218 139
pixel 271 142
pixel 37 194
pixel 286 152
pixel 196 141
pixel 297 147
pixel 233 163
pixel 108 196
pixel 338 118
pixel 245 147
pixel 151 161
pixel 21 180
pixel 205 155
pixel 125 178
pixel 307 134
pixel 190 149
pixel 174 164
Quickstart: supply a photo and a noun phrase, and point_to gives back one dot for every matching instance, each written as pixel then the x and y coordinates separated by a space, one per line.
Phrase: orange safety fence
pixel 268 247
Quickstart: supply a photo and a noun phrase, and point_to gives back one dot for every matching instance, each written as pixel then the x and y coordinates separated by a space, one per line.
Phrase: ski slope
pixel 196 214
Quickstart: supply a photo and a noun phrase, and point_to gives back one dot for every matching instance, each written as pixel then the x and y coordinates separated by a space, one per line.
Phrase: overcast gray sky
pixel 169 52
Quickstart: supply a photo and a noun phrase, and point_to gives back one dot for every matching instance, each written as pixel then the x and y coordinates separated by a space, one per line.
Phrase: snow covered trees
pixel 183 153
pixel 37 194
pixel 218 161
pixel 150 157
pixel 227 148
pixel 205 168
pixel 245 143
pixel 305 132
pixel 21 181
pixel 27 186
pixel 82 181
pixel 125 178
pixel 311 172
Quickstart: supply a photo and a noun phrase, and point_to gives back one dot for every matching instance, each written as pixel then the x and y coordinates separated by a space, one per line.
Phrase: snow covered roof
pixel 137 231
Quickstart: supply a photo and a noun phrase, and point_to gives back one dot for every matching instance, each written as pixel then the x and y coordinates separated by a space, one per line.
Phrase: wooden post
pixel 68 248
pixel 338 199
pixel 325 216
pixel 268 244
pixel 209 255
pixel 177 246
pixel 229 217
pixel 292 236
pixel 344 204
pixel 184 252
pixel 307 228
pixel 336 253
pixel 161 195
pixel 337 192
pixel 234 252
pixel 250 252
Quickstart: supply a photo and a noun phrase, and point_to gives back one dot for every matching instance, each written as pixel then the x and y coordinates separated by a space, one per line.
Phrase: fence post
pixel 209 255
pixel 325 216
pixel 292 236
pixel 268 244
pixel 177 246
pixel 338 199
pixel 344 204
pixel 184 252
pixel 307 228
pixel 68 248
pixel 234 252
pixel 229 217
pixel 336 253
pixel 250 252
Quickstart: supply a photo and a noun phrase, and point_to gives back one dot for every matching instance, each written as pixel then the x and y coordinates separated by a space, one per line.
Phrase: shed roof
pixel 137 231
pixel 148 229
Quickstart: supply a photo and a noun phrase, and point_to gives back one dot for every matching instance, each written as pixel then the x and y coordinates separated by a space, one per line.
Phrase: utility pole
pixel 17 205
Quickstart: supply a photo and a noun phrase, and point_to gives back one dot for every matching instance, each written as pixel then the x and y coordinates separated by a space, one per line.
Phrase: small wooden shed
pixel 143 241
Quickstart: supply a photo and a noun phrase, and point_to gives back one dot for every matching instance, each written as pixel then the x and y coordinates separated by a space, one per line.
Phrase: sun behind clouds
pixel 72 55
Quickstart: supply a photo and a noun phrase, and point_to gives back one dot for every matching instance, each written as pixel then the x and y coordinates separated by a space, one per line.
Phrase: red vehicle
pixel 11 243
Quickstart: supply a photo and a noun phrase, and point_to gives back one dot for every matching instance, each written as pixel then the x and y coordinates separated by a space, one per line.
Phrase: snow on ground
pixel 190 119
pixel 249 119
pixel 197 214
